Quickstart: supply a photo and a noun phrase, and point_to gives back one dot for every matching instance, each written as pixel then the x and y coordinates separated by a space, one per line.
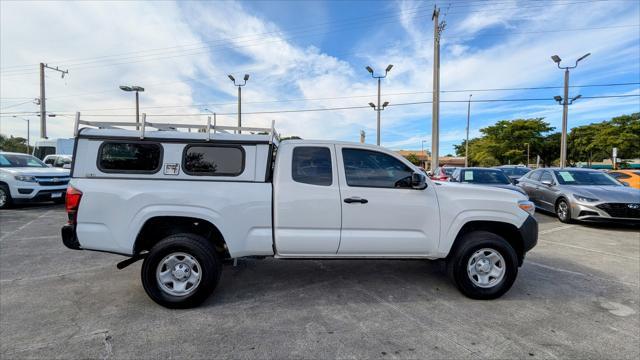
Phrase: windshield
pixel 517 171
pixel 448 170
pixel 14 160
pixel 484 176
pixel 573 177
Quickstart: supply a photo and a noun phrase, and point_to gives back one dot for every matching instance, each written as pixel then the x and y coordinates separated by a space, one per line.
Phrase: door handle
pixel 356 200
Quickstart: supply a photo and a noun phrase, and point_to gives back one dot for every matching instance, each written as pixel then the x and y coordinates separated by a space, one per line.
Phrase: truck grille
pixel 53 180
pixel 621 210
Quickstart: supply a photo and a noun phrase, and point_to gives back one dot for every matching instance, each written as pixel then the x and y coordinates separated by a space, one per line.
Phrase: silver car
pixel 581 194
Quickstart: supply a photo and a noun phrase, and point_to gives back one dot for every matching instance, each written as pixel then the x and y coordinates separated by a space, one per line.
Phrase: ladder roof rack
pixel 208 128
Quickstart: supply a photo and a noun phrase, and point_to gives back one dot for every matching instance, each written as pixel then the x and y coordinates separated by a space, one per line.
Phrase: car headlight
pixel 527 206
pixel 25 178
pixel 584 198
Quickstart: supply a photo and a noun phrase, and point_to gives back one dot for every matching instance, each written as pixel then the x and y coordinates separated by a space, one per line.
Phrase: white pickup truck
pixel 185 202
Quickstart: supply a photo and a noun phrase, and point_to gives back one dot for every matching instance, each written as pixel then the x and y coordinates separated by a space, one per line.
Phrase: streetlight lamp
pixel 28 129
pixel 378 109
pixel 565 103
pixel 246 77
pixel 137 89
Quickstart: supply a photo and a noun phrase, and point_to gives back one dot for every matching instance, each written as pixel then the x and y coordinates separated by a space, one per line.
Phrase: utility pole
pixel 565 105
pixel 246 77
pixel 362 136
pixel 379 108
pixel 466 149
pixel 527 154
pixel 43 100
pixel 435 120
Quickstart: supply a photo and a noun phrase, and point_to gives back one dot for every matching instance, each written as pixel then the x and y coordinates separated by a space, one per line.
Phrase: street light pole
pixel 527 154
pixel 246 77
pixel 424 162
pixel 466 150
pixel 137 89
pixel 379 108
pixel 28 130
pixel 565 106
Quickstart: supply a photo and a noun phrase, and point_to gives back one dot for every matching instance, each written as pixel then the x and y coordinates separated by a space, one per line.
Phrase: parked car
pixel 24 178
pixel 627 177
pixel 184 202
pixel 514 172
pixel 484 176
pixel 57 160
pixel 581 194
pixel 442 173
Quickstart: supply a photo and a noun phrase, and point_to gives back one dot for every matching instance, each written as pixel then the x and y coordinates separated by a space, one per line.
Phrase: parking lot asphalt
pixel 576 296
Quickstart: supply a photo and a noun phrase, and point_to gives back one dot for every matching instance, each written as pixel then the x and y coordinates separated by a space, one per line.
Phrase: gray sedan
pixel 484 176
pixel 581 194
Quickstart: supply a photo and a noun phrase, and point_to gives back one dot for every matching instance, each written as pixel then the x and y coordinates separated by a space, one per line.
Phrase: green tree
pixel 595 142
pixel 413 158
pixel 13 144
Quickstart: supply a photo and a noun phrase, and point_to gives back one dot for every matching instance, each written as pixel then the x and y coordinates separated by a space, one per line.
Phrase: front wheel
pixel 181 271
pixel 563 211
pixel 5 197
pixel 484 266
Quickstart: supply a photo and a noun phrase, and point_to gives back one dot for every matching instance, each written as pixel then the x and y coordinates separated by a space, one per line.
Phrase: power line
pixel 337 108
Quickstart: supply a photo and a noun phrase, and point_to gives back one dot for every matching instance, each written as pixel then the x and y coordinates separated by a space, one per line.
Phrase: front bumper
pixel 601 211
pixel 31 192
pixel 529 235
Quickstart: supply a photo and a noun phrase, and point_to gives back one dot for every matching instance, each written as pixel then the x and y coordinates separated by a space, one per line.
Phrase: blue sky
pixel 311 55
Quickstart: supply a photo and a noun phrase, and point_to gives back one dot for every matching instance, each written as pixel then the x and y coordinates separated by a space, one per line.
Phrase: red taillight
pixel 73 202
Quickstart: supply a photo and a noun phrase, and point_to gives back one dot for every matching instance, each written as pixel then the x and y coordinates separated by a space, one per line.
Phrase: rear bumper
pixel 529 234
pixel 69 237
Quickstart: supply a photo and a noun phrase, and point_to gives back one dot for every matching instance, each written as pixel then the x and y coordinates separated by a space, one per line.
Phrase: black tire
pixel 195 246
pixel 564 218
pixel 6 194
pixel 458 262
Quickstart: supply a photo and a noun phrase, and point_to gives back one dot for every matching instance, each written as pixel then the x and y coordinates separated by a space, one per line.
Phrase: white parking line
pixel 592 250
pixel 579 273
pixel 23 226
pixel 555 229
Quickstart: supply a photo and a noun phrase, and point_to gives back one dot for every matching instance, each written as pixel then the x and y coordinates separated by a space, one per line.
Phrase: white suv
pixel 24 178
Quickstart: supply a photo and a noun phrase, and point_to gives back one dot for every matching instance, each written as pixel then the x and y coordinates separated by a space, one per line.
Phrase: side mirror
pixel 547 182
pixel 625 183
pixel 515 181
pixel 418 181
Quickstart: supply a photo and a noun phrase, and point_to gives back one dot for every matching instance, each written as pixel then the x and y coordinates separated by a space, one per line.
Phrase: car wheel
pixel 484 265
pixel 5 197
pixel 563 211
pixel 181 271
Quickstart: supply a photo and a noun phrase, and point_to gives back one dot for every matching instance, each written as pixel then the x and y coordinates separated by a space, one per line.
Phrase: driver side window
pixel 367 168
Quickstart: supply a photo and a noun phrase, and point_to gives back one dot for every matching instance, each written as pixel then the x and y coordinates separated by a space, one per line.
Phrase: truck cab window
pixel 312 165
pixel 366 168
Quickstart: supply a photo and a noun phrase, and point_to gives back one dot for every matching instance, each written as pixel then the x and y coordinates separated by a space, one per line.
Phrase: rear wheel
pixel 181 271
pixel 563 211
pixel 5 197
pixel 484 265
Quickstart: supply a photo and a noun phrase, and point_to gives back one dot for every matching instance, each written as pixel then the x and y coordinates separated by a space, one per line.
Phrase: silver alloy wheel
pixel 563 210
pixel 486 268
pixel 179 274
pixel 3 197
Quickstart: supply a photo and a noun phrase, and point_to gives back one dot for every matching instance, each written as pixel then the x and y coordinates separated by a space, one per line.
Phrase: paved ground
pixel 577 296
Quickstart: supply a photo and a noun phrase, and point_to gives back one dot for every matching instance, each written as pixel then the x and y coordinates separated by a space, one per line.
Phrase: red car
pixel 442 173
